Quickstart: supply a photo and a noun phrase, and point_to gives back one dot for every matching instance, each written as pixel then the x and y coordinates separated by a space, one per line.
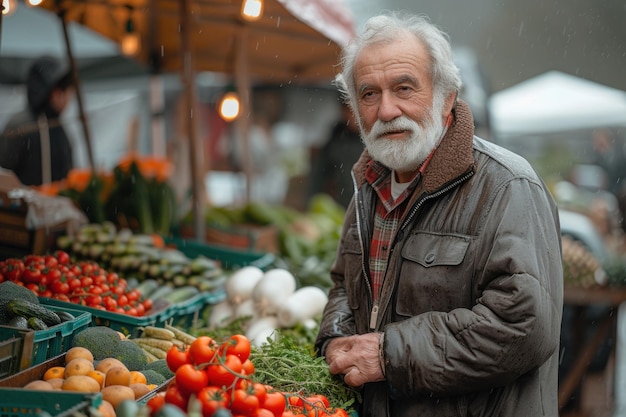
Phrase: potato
pixel 115 394
pixel 80 383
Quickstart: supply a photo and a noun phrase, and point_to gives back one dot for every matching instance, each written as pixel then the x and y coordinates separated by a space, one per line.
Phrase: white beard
pixel 405 155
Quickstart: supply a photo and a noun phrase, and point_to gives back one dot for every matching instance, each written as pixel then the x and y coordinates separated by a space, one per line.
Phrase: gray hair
pixel 387 27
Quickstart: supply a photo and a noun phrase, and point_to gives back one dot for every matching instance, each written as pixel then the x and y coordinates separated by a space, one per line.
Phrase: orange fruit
pixel 117 375
pixel 98 376
pixel 54 372
pixel 78 366
pixel 78 352
pixel 137 377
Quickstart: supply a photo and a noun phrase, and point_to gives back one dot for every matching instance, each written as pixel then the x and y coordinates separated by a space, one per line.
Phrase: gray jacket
pixel 472 299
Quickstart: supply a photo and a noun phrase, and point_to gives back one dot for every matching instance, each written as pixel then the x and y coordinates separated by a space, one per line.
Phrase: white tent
pixel 554 102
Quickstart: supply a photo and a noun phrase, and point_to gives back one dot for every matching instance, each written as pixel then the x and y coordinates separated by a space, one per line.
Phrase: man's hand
pixel 356 357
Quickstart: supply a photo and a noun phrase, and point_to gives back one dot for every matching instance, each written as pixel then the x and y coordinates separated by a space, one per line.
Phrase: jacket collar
pixel 452 158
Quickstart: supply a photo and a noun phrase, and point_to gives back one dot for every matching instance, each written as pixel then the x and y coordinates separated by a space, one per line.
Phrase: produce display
pixel 86 283
pixel 142 257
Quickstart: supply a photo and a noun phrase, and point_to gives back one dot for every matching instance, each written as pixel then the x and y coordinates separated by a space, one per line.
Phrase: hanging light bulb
pixel 9 7
pixel 131 41
pixel 34 2
pixel 252 9
pixel 229 106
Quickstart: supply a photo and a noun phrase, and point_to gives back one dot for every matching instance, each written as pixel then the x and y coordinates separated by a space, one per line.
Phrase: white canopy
pixel 553 102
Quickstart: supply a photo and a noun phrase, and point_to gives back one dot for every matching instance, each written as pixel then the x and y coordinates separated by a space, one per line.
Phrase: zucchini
pixel 27 310
pixel 181 294
pixel 36 323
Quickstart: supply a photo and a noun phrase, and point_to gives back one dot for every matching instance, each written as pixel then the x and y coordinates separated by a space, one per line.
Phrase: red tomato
pixel 224 374
pixel 155 403
pixel 60 287
pixel 247 368
pixel 295 400
pixel 239 345
pixel 212 398
pixel 32 275
pixel 202 350
pixel 275 402
pixel 264 412
pixel 293 413
pixel 176 397
pixel 50 261
pixel 316 400
pixel 176 358
pixel 62 257
pixel 52 274
pixel 189 379
pixel 244 402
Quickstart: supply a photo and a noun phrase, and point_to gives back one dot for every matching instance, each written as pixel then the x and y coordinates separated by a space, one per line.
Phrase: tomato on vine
pixel 212 399
pixel 225 371
pixel 237 344
pixel 275 402
pixel 244 402
pixel 190 379
pixel 203 350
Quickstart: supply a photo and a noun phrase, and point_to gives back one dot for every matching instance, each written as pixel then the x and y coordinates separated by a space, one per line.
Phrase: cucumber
pixel 36 323
pixel 64 316
pixel 19 322
pixel 160 292
pixel 147 287
pixel 27 310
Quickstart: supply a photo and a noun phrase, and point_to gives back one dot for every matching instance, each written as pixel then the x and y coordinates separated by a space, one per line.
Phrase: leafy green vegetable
pixel 290 366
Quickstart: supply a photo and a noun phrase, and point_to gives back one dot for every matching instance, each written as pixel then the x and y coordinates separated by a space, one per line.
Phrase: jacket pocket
pixel 352 255
pixel 433 276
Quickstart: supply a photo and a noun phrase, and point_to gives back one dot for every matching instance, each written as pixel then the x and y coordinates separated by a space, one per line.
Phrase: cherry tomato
pixel 247 368
pixel 239 345
pixel 176 397
pixel 316 400
pixel 189 379
pixel 212 399
pixel 224 373
pixel 264 412
pixel 202 350
pixel 293 413
pixel 176 358
pixel 32 275
pixel 60 287
pixel 62 257
pixel 295 400
pixel 275 402
pixel 244 402
pixel 155 403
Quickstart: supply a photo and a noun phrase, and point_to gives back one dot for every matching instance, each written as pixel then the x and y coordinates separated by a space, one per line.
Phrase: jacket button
pixel 430 258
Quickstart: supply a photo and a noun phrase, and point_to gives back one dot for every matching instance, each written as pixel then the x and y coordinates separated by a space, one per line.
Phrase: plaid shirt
pixel 387 217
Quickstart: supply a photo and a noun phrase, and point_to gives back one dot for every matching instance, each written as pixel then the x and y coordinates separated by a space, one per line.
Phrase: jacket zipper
pixel 357 209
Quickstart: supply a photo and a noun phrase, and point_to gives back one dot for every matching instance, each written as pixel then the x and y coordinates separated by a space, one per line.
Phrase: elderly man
pixel 447 293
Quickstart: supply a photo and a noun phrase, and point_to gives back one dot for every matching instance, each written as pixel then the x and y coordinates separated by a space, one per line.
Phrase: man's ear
pixel 450 102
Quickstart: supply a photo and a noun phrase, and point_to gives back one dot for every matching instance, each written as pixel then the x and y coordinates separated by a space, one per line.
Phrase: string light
pixel 9 7
pixel 229 106
pixel 131 41
pixel 252 9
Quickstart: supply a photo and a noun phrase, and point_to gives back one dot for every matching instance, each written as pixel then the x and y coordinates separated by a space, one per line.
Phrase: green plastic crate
pixel 43 344
pixel 18 402
pixel 129 325
pixel 229 258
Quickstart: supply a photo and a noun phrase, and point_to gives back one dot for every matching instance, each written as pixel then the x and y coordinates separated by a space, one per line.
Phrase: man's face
pixel 400 122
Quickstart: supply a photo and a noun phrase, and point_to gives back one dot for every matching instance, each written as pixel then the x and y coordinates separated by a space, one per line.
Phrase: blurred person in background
pixel 34 144
pixel 332 163
pixel 610 155
pixel 448 281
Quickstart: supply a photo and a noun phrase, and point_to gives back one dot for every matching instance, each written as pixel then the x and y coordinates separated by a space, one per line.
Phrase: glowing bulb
pixel 34 2
pixel 9 7
pixel 131 42
pixel 229 107
pixel 252 9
